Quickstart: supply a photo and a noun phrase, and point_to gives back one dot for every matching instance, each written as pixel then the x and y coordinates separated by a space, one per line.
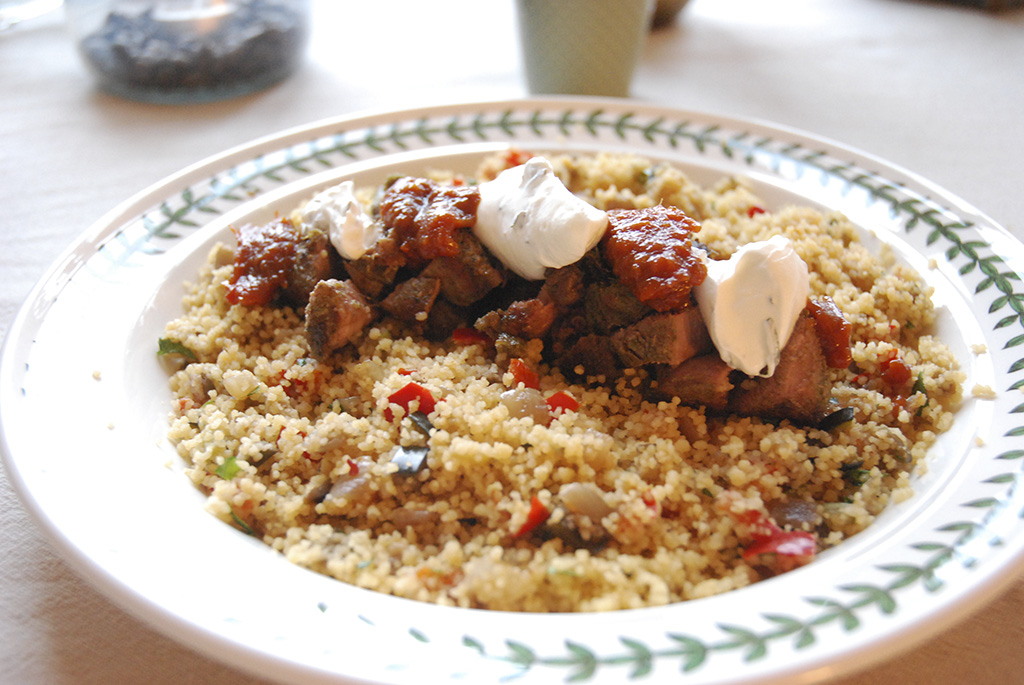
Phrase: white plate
pixel 84 403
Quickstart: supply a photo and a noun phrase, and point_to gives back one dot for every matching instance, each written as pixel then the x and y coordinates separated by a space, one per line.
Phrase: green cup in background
pixel 582 47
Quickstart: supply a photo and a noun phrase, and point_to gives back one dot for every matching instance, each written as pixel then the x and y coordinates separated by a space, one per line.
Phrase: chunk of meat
pixel 662 339
pixel 412 300
pixel 566 330
pixel 594 354
pixel 444 318
pixel 311 264
pixel 426 217
pixel 468 275
pixel 337 312
pixel 564 287
pixel 278 259
pixel 612 305
pixel 375 272
pixel 703 380
pixel 527 319
pixel 652 251
pixel 799 389
pixel 263 262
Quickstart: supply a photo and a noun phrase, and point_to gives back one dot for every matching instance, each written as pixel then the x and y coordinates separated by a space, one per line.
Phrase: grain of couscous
pixel 600 496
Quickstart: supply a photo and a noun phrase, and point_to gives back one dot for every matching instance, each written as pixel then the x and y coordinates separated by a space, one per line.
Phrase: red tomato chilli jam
pixel 263 260
pixel 425 216
pixel 833 331
pixel 599 387
pixel 652 252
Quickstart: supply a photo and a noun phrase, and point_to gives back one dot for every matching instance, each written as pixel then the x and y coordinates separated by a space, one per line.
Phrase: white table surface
pixel 933 87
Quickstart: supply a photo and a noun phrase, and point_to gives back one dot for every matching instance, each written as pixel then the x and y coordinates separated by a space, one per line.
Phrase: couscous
pixel 470 453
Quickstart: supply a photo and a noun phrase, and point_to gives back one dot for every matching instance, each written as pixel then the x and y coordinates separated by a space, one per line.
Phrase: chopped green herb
pixel 706 492
pixel 854 474
pixel 168 346
pixel 229 469
pixel 241 524
pixel 364 564
pixel 919 386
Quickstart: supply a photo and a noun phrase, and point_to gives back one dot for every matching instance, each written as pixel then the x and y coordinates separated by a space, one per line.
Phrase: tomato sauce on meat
pixel 263 260
pixel 833 331
pixel 651 251
pixel 425 216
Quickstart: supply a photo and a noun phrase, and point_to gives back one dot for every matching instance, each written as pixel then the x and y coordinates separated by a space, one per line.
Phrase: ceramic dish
pixel 84 406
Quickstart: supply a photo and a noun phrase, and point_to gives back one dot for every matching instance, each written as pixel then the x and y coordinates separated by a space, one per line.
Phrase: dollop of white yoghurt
pixel 751 301
pixel 530 221
pixel 338 213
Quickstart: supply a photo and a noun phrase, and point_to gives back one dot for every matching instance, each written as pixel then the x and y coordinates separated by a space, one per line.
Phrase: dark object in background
pixel 994 5
pixel 146 55
pixel 665 12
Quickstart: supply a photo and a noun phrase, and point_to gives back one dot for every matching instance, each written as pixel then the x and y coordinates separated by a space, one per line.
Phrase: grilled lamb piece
pixel 799 389
pixel 337 312
pixel 595 354
pixel 698 380
pixel 444 318
pixel 412 300
pixel 468 276
pixel 375 272
pixel 662 339
pixel 612 305
pixel 311 264
pixel 526 319
pixel 564 287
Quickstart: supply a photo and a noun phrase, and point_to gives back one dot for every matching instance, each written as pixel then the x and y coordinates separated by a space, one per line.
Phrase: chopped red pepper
pixel 521 373
pixel 562 400
pixel 538 515
pixel 791 543
pixel 515 157
pixel 353 468
pixel 470 336
pixel 404 396
pixel 754 211
pixel 770 539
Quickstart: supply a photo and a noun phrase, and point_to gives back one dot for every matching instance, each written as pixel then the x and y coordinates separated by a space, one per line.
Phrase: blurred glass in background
pixel 188 51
